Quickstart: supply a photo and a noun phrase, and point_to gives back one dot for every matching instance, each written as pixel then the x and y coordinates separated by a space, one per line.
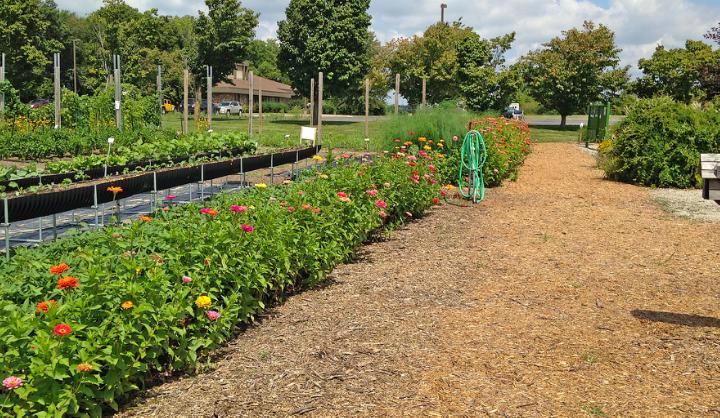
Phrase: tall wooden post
pixel 209 96
pixel 118 92
pixel 260 109
pixel 367 108
pixel 397 93
pixel 251 104
pixel 2 78
pixel 320 107
pixel 58 92
pixel 74 67
pixel 186 81
pixel 313 122
pixel 424 91
pixel 158 83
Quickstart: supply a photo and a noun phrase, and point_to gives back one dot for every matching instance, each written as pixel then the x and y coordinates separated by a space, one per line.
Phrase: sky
pixel 639 25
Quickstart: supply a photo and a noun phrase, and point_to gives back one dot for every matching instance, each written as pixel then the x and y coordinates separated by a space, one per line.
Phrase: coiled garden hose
pixel 473 155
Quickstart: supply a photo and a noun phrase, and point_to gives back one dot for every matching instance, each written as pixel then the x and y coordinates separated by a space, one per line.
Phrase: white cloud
pixel 639 24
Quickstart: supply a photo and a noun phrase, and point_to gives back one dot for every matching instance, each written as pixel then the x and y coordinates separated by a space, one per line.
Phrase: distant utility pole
pixel 443 6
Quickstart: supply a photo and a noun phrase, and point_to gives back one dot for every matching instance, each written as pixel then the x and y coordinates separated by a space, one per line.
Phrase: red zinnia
pixel 44 307
pixel 59 269
pixel 342 195
pixel 67 282
pixel 62 330
pixel 436 201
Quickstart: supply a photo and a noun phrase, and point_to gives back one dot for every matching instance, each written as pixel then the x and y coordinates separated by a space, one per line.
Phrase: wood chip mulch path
pixel 562 294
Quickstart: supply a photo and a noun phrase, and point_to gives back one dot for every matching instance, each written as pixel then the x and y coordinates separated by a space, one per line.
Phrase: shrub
pixel 659 144
pixel 86 319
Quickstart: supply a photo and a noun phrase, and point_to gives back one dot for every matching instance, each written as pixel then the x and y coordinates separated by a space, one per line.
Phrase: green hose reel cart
pixel 473 155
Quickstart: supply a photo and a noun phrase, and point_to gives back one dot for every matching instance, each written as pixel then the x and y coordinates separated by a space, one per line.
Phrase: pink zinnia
pixel 422 154
pixel 291 209
pixel 247 228
pixel 382 214
pixel 412 158
pixel 12 382
pixel 381 204
pixel 342 195
pixel 170 197
pixel 372 192
pixel 345 156
pixel 186 279
pixel 213 315
pixel 238 209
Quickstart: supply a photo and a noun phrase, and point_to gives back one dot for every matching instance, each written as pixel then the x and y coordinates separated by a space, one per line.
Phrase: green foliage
pixel 437 123
pixel 659 144
pixel 572 71
pixel 306 48
pixel 29 34
pixel 167 327
pixel 263 58
pixel 685 74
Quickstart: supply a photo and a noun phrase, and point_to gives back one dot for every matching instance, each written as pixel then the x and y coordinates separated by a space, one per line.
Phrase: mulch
pixel 562 294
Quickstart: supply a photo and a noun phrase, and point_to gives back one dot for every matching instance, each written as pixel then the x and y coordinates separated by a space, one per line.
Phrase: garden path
pixel 562 294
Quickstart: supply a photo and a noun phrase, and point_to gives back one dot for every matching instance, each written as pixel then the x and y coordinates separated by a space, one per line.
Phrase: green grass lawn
pixel 275 127
pixel 544 133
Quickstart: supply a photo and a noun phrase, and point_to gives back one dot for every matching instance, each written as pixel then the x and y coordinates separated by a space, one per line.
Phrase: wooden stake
pixel 424 91
pixel 312 102
pixel 397 93
pixel 320 107
pixel 186 81
pixel 260 108
pixel 56 82
pixel 367 108
pixel 251 102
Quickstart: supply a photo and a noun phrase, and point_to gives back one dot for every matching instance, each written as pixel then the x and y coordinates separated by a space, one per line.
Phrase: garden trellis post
pixel 2 78
pixel 320 107
pixel 56 88
pixel 312 102
pixel 397 93
pixel 118 91
pixel 260 110
pixel 251 103
pixel 367 109
pixel 209 96
pixel 159 93
pixel 424 91
pixel 186 80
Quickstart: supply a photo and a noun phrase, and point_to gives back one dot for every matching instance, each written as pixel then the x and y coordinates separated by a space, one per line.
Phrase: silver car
pixel 230 108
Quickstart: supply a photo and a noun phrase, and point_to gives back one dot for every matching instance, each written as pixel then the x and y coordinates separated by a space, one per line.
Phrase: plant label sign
pixel 117 104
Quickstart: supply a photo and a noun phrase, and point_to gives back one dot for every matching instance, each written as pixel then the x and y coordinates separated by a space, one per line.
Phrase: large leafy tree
pixel 681 73
pixel 575 69
pixel 263 58
pixel 326 35
pixel 30 32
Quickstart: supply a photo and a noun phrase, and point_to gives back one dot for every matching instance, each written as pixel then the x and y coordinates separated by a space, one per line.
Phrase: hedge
pixel 88 319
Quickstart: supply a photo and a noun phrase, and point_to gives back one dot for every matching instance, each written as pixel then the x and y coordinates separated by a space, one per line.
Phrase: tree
pixel 457 64
pixel 263 58
pixel 570 72
pixel 326 35
pixel 681 73
pixel 29 34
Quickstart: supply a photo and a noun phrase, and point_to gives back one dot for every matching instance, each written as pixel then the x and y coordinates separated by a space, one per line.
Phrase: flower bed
pixel 507 142
pixel 87 319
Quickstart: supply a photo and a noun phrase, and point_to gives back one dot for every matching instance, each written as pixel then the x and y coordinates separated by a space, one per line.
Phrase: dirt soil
pixel 561 295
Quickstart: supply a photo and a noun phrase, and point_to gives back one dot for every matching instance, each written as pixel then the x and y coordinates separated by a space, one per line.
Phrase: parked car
pixel 513 113
pixel 203 106
pixel 38 103
pixel 230 108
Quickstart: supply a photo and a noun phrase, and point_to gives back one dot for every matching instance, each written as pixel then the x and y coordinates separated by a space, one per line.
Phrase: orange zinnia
pixel 115 189
pixel 44 307
pixel 84 367
pixel 145 218
pixel 68 282
pixel 59 269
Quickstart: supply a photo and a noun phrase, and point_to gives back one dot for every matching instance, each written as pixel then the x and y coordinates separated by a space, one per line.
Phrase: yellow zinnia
pixel 261 186
pixel 427 147
pixel 203 302
pixel 127 305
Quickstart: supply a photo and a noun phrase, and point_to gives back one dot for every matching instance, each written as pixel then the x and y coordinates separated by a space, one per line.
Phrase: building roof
pixel 270 88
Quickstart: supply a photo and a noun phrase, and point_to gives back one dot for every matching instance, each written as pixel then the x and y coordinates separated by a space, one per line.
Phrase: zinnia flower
pixel 62 330
pixel 209 212
pixel 67 282
pixel 127 305
pixel 238 209
pixel 382 214
pixel 12 382
pixel 317 158
pixel 412 158
pixel 261 186
pixel 345 155
pixel 115 189
pixel 291 209
pixel 342 194
pixel 84 367
pixel 324 176
pixel 145 218
pixel 203 302
pixel 44 307
pixel 381 204
pixel 59 269
pixel 247 228
pixel 372 192
pixel 170 197
pixel 186 279
pixel 316 210
pixel 436 201
pixel 213 315
pixel 306 206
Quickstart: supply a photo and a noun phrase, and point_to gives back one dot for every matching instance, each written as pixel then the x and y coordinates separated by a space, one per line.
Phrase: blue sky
pixel 640 25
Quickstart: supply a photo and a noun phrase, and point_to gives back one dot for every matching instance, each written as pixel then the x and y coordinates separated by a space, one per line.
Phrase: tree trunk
pixel 563 120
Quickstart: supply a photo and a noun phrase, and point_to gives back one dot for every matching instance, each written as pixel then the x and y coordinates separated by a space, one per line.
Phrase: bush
pixel 659 144
pixel 154 295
